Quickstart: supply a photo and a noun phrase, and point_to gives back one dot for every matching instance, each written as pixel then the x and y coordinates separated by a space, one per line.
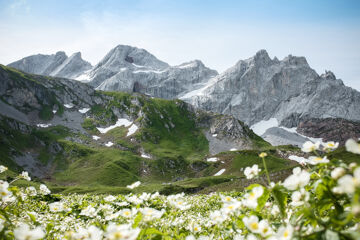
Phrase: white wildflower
pixel 179 203
pixel 128 213
pixel 90 233
pixel 89 211
pixel 31 191
pixel 251 172
pixel 337 172
pixel 285 233
pixel 150 214
pixel 23 232
pixel 348 183
pixel 120 232
pixel 310 146
pixel 299 178
pixel 217 217
pixel 110 198
pixel 56 207
pixel 44 190
pixel 299 197
pixel 264 228
pixel 25 175
pixel 4 191
pixel 252 223
pixel 252 197
pixel 352 146
pixel 330 145
pixel 316 160
pixel 3 168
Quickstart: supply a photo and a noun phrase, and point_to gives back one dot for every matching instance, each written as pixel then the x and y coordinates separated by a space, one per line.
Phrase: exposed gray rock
pixel 278 136
pixel 58 65
pixel 261 88
pixel 224 132
pixel 23 98
pixel 132 69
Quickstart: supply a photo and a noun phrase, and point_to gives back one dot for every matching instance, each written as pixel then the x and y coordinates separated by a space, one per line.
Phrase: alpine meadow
pixel 123 145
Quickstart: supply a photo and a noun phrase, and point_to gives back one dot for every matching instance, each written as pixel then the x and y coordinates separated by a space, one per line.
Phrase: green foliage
pixel 170 131
pixel 46 113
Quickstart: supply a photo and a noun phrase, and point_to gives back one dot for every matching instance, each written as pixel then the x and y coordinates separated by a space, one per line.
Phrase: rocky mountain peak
pixel 262 58
pixel 297 61
pixel 128 56
pixel 328 75
pixel 60 54
pixel 259 88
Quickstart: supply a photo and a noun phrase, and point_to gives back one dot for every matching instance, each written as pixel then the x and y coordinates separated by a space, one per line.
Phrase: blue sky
pixel 219 33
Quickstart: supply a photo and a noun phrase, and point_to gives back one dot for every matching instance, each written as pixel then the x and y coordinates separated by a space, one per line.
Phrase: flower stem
pixel 266 170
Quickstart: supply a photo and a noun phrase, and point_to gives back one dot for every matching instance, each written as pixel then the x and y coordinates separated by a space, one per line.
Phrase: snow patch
pixel 200 91
pixel 95 137
pixel 69 105
pixel 213 159
pixel 120 122
pixel 214 135
pixel 43 125
pixel 187 65
pixel 83 77
pixel 220 172
pixel 84 110
pixel 149 71
pixel 144 155
pixel 260 128
pixel 109 144
pixel 54 111
pixel 139 66
pixel 233 149
pixel 132 130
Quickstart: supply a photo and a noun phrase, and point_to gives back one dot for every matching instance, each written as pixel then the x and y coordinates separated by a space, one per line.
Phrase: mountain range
pixel 256 90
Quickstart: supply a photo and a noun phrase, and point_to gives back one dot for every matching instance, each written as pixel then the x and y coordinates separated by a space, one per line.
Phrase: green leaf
pixel 280 195
pixel 32 217
pixel 137 220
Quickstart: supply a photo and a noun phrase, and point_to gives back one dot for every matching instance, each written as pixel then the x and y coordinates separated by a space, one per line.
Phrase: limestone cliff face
pixel 57 65
pixel 132 69
pixel 261 88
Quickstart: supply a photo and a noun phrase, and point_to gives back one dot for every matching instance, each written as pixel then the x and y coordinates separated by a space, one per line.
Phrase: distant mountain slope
pixel 261 88
pixel 67 133
pixel 57 65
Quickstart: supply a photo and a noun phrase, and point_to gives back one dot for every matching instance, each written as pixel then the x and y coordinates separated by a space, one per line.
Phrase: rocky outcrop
pixel 261 88
pixel 225 132
pixel 57 65
pixel 330 129
pixel 28 96
pixel 131 69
